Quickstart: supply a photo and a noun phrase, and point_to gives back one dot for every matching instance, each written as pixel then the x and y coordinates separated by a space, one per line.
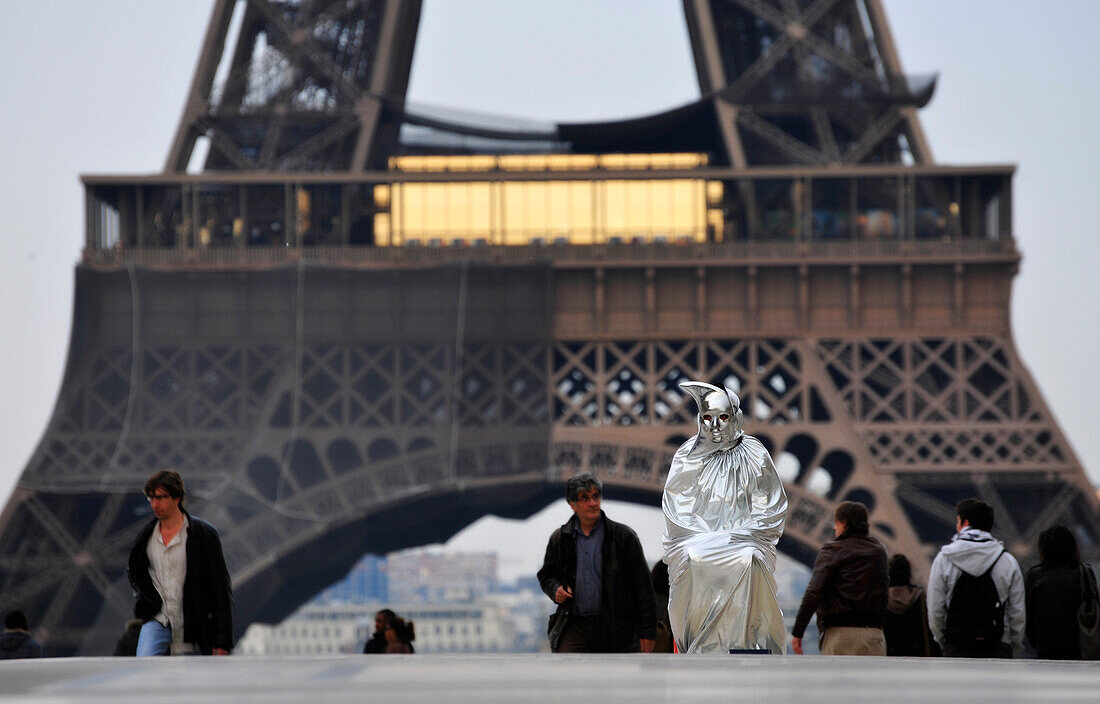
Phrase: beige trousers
pixel 844 640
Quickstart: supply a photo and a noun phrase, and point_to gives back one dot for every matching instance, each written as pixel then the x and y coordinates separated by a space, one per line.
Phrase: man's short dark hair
pixel 854 517
pixel 16 621
pixel 977 513
pixel 585 481
pixel 387 614
pixel 169 480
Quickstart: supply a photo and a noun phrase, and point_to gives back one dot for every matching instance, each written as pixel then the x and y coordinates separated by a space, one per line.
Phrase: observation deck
pixel 230 218
pixel 766 250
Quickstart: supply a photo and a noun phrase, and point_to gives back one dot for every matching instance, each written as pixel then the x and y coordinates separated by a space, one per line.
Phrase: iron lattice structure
pixel 325 396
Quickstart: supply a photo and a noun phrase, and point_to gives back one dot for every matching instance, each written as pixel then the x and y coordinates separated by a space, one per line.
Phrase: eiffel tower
pixel 355 325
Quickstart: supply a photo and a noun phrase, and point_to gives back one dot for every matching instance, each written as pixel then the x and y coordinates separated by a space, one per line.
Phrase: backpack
pixel 976 614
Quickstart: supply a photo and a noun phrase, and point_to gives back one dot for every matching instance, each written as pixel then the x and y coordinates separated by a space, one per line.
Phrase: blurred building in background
pixel 367 581
pixel 419 575
pixel 342 629
pixel 454 600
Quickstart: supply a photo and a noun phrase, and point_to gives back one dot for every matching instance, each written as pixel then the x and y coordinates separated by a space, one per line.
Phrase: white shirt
pixel 168 568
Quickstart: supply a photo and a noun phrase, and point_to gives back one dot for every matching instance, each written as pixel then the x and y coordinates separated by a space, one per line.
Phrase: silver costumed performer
pixel 724 509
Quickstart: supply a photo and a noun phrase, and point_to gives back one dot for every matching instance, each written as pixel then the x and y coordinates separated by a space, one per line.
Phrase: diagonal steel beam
pixel 879 130
pixel 389 80
pixel 1052 513
pixel 884 41
pixel 796 148
pixel 823 128
pixel 69 544
pixel 225 144
pixel 929 504
pixel 843 60
pixel 273 136
pixel 709 71
pixel 199 94
pixel 233 89
pixel 796 31
pixel 989 494
pixel 760 68
pixel 298 41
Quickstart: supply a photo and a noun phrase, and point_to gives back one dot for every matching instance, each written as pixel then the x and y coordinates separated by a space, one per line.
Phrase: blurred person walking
pixel 16 642
pixel 1054 591
pixel 847 590
pixel 182 586
pixel 976 591
pixel 906 628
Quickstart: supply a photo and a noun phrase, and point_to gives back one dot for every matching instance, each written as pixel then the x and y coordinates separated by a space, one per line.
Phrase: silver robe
pixel 724 513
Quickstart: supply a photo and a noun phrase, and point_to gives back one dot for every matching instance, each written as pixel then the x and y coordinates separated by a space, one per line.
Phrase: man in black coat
pixel 183 592
pixel 595 571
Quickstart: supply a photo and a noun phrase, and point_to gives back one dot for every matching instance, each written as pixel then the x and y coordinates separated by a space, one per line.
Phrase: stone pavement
pixel 487 679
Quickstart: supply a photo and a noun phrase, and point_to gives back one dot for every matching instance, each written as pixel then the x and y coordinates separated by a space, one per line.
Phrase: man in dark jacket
pixel 16 642
pixel 178 572
pixel 848 589
pixel 596 573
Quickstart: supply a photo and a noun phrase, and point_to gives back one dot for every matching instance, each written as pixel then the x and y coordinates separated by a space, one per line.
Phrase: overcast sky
pixel 97 87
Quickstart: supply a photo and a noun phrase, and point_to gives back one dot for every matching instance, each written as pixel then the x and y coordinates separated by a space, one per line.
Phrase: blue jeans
pixel 154 639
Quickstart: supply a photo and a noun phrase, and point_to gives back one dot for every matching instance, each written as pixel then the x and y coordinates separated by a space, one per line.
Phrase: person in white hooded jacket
pixel 973 550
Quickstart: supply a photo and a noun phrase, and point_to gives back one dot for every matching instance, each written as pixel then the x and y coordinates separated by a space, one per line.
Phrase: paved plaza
pixel 545 678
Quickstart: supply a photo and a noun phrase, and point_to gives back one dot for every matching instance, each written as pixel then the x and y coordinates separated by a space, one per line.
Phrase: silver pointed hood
pixel 719 420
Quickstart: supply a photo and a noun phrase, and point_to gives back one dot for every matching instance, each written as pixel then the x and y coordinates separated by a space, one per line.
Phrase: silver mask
pixel 720 418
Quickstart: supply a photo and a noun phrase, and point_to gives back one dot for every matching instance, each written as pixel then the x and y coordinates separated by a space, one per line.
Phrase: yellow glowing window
pixel 574 211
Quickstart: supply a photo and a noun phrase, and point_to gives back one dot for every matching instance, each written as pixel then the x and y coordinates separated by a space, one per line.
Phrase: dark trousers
pixel 582 634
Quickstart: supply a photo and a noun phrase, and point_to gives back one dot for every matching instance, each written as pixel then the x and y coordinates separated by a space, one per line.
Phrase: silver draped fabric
pixel 725 509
